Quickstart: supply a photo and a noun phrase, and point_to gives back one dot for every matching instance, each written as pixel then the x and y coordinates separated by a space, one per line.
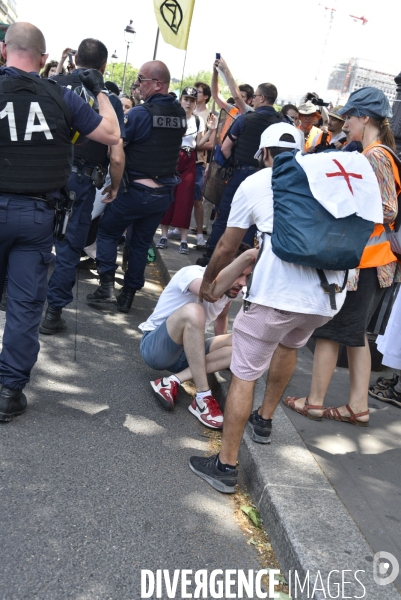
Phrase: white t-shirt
pixel 189 139
pixel 276 283
pixel 177 294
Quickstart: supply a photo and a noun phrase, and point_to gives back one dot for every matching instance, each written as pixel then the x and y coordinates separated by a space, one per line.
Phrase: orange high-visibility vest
pixel 232 112
pixel 377 251
pixel 312 134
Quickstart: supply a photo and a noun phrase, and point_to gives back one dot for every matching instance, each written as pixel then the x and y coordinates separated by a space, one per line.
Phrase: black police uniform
pixel 154 133
pixel 35 162
pixel 90 160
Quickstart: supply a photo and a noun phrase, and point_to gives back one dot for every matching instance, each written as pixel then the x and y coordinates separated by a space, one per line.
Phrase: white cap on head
pixel 270 138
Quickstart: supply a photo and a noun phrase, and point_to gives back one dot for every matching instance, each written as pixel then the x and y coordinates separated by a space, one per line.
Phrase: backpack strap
pixel 331 288
pixel 197 121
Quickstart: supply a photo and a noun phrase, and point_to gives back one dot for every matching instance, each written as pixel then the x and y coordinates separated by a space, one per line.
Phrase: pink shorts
pixel 257 333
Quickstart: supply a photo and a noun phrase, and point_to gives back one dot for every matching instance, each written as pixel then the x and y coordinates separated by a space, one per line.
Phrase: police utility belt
pixel 96 174
pixel 62 207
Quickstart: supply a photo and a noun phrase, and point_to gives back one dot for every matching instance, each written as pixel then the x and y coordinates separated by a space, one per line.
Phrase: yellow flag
pixel 174 20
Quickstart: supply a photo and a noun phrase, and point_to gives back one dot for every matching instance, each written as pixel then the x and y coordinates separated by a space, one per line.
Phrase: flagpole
pixel 156 44
pixel 183 69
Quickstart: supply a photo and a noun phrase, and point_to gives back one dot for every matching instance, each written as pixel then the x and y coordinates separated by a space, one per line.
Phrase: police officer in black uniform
pixel 88 172
pixel 154 133
pixel 240 145
pixel 36 117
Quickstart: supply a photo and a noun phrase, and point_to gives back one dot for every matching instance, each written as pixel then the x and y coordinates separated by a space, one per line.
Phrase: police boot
pixel 52 323
pixel 12 403
pixel 125 299
pixel 105 291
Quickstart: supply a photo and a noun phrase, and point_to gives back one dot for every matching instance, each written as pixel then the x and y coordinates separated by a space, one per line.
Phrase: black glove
pixel 92 80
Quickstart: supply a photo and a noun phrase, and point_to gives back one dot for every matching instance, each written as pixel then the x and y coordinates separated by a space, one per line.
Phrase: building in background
pixel 8 11
pixel 345 78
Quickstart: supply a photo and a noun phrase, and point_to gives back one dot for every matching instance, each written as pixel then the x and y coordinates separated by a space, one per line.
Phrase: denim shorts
pixel 162 353
pixel 199 179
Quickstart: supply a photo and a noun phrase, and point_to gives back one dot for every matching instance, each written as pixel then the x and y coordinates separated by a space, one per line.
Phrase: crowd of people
pixel 147 154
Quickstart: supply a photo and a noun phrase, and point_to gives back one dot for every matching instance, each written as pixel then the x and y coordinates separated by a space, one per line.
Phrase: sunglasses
pixel 140 79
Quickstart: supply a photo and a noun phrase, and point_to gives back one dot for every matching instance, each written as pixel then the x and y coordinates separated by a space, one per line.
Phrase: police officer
pixel 88 172
pixel 36 116
pixel 154 132
pixel 242 142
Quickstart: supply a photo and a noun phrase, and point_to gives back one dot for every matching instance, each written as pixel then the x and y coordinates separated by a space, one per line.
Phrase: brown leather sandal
pixel 334 414
pixel 290 403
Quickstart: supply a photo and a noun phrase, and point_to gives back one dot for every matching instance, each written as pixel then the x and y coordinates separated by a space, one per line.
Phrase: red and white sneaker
pixel 210 415
pixel 165 391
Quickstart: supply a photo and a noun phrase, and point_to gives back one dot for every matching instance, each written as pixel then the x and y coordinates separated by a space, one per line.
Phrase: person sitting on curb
pixel 174 335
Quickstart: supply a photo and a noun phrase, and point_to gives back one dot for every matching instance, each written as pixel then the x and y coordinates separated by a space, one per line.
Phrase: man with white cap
pixel 285 303
pixel 307 116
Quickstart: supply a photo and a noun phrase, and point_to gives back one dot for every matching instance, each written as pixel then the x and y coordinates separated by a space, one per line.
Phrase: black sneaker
pixel 206 468
pixel 261 428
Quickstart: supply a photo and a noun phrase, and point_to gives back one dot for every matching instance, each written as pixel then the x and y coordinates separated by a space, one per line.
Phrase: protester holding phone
pixel 70 53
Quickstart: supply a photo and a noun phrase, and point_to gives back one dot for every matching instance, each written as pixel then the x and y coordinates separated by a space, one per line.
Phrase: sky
pixel 292 44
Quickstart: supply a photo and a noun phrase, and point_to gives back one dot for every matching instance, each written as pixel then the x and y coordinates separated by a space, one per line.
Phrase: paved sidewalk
pixel 329 492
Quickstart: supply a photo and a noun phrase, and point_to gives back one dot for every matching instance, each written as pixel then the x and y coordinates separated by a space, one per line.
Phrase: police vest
pixel 377 251
pixel 35 138
pixel 157 156
pixel 249 139
pixel 85 149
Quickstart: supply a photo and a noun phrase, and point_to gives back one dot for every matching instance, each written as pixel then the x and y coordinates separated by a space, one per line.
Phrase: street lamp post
pixel 129 31
pixel 114 57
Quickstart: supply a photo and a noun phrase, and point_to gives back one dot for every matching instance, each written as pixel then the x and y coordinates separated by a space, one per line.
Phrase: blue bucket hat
pixel 368 102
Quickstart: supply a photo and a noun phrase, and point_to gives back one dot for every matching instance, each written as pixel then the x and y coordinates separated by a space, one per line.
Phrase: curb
pixel 311 530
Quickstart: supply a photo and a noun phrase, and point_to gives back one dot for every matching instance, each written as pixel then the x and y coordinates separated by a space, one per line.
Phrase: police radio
pixel 63 212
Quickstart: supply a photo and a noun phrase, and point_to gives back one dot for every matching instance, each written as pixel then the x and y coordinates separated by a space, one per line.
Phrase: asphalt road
pixel 94 479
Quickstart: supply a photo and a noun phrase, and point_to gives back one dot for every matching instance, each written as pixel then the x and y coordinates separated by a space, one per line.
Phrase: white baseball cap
pixel 271 137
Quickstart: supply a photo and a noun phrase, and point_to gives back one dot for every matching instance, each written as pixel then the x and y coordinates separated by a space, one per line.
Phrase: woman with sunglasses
pixel 366 119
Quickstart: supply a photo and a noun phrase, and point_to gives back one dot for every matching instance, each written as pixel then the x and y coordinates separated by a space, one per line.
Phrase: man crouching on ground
pixel 174 335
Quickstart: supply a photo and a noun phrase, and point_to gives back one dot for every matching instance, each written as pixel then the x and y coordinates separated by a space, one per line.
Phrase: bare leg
pixel 219 357
pixel 164 229
pixel 324 364
pixel 281 369
pixel 186 326
pixel 236 413
pixel 198 214
pixel 360 364
pixel 184 234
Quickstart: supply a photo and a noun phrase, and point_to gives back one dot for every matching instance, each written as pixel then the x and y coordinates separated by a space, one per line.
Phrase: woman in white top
pixel 179 212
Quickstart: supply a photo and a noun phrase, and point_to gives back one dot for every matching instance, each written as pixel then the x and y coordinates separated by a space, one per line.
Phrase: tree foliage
pixel 116 71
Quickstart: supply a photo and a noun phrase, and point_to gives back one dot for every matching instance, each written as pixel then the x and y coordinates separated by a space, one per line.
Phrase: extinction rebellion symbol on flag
pixel 172 14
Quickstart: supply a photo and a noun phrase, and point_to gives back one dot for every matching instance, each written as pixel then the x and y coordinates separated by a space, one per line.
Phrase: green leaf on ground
pixel 282 596
pixel 280 578
pixel 253 514
pixel 251 541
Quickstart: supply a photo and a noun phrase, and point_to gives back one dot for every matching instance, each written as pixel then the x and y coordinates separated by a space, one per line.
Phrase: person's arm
pixel 234 89
pixel 221 103
pixel 231 272
pixel 117 164
pixel 206 141
pixel 62 60
pixel 227 146
pixel 223 254
pixel 221 323
pixel 108 130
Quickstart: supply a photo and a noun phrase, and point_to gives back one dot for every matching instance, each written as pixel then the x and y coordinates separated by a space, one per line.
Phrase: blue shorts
pixel 199 179
pixel 161 353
